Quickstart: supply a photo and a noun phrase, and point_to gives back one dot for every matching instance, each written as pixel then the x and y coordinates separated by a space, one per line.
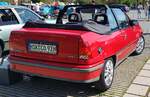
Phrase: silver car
pixel 13 18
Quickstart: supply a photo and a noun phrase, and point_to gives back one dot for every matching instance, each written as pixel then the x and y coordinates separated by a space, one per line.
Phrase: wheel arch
pixel 114 57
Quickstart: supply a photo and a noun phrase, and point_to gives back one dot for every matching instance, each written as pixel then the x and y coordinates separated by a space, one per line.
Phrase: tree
pixel 128 2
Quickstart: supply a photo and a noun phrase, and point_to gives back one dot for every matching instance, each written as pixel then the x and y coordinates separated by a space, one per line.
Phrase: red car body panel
pixel 80 55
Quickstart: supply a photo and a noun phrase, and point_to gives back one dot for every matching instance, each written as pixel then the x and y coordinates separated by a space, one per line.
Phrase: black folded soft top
pixel 84 26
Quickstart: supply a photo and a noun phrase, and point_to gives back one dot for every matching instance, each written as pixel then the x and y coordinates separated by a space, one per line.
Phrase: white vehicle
pixel 13 18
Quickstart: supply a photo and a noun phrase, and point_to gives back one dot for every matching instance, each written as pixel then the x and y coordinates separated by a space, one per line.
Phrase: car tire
pixel 140 46
pixel 106 77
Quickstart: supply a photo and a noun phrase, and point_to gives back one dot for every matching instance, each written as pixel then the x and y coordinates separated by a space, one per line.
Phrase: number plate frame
pixel 42 47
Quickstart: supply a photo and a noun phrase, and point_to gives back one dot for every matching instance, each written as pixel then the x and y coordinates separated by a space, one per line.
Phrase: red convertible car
pixel 85 47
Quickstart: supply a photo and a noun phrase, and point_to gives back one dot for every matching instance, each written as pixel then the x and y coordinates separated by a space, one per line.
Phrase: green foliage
pixel 128 2
pixel 5 0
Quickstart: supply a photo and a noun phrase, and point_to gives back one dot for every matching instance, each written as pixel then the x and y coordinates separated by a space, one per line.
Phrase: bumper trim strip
pixel 56 67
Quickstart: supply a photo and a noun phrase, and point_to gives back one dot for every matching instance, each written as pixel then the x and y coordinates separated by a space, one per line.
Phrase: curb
pixel 140 87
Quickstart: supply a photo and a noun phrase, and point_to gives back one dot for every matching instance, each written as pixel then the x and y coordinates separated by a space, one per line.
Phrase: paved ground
pixel 39 87
pixel 141 84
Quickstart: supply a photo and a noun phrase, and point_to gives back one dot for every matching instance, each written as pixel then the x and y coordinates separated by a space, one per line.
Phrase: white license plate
pixel 42 48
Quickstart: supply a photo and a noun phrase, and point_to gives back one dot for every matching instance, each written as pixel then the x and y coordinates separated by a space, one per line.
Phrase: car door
pixel 8 23
pixel 117 41
pixel 126 33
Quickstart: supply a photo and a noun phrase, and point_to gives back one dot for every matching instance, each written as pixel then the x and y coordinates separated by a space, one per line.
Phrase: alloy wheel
pixel 140 45
pixel 109 72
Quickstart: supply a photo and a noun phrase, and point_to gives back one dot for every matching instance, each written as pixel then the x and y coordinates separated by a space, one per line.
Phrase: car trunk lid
pixel 46 44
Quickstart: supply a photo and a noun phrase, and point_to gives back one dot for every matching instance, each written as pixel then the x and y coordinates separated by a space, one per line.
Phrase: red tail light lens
pixel 84 54
pixel 84 51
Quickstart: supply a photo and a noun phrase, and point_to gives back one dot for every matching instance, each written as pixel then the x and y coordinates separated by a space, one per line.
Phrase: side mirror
pixel 133 22
pixel 124 24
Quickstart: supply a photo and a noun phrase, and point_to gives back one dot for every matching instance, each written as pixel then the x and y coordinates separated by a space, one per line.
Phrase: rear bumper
pixel 71 74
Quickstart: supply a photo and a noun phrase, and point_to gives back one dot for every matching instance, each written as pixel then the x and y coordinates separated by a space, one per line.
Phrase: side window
pixel 7 17
pixel 27 15
pixel 111 19
pixel 121 17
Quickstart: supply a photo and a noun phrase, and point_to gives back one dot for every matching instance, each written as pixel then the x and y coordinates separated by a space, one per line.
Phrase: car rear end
pixel 54 53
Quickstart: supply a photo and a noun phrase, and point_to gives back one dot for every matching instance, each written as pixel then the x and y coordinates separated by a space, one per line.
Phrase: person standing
pixel 71 9
pixel 146 7
pixel 37 8
pixel 140 8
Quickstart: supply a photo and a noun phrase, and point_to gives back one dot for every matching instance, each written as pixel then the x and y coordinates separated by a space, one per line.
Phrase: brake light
pixel 15 42
pixel 84 51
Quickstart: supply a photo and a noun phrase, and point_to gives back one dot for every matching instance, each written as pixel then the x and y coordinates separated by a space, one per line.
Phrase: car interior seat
pixel 101 18
pixel 74 18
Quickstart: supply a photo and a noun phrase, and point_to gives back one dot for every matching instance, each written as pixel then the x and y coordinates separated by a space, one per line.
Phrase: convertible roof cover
pixel 84 26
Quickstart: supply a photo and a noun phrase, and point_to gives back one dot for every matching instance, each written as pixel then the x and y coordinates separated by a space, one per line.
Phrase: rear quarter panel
pixel 96 41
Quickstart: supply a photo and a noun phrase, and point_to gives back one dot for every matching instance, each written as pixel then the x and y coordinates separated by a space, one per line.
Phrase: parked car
pixel 13 18
pixel 85 48
pixel 124 7
pixel 4 3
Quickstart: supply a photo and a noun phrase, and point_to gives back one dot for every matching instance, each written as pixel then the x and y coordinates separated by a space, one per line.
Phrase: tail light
pixel 11 40
pixel 84 53
pixel 87 52
pixel 14 41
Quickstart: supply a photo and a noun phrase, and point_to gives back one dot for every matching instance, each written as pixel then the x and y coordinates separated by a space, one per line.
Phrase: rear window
pixel 7 17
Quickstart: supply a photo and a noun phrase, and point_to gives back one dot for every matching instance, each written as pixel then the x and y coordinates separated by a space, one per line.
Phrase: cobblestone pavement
pixel 40 87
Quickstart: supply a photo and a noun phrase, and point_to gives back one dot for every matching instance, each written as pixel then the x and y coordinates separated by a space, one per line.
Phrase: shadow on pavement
pixel 65 89
pixel 42 87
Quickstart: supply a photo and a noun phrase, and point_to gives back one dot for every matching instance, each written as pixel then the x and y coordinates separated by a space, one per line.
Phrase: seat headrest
pixel 101 18
pixel 74 17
